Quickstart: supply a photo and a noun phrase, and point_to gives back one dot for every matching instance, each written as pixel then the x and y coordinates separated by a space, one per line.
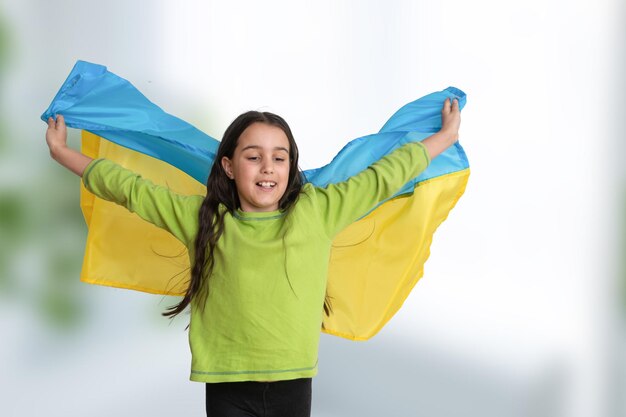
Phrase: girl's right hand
pixel 56 135
pixel 451 118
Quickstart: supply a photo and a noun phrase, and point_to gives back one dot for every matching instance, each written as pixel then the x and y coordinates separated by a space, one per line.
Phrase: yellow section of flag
pixel 374 264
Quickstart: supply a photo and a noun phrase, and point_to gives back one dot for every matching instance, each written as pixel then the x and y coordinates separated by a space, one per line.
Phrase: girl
pixel 259 245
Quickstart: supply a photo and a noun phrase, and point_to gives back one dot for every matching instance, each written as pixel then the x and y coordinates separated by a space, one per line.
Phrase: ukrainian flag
pixel 375 262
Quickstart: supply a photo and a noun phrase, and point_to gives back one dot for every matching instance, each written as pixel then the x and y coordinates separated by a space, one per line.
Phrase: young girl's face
pixel 260 167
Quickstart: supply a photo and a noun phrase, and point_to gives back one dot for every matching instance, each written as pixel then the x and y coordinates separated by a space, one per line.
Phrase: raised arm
pixel 56 137
pixel 342 203
pixel 176 213
pixel 449 133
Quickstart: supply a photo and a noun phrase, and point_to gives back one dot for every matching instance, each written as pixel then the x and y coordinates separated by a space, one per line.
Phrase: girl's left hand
pixel 451 118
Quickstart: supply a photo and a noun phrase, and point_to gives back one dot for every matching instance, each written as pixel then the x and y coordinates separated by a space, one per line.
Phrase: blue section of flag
pixel 96 100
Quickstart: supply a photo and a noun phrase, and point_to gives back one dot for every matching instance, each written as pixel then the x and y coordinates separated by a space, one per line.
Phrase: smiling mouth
pixel 266 184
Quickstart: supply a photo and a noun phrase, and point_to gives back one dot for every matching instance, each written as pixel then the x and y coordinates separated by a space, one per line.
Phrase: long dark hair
pixel 221 190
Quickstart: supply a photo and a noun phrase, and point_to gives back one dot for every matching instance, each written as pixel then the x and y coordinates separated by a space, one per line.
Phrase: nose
pixel 268 167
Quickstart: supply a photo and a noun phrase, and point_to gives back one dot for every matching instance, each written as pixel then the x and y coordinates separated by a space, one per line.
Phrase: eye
pixel 253 158
pixel 279 159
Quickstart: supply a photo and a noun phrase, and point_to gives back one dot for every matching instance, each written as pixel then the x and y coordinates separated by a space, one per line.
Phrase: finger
pixel 446 104
pixel 455 103
pixel 60 121
pixel 50 122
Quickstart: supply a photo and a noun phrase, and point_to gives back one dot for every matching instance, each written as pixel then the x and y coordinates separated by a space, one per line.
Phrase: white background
pixel 518 313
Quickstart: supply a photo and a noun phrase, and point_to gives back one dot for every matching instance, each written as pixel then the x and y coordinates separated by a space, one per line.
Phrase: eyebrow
pixel 277 148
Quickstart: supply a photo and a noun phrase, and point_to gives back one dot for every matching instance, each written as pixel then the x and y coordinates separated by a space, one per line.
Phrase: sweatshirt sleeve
pixel 176 213
pixel 342 203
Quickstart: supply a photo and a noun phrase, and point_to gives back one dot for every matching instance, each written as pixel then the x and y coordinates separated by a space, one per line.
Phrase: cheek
pixel 245 171
pixel 285 181
pixel 285 175
pixel 286 169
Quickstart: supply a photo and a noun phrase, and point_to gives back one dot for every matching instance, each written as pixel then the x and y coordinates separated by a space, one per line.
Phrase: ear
pixel 227 165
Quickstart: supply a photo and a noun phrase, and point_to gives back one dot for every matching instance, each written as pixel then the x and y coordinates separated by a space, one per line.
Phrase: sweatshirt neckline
pixel 258 215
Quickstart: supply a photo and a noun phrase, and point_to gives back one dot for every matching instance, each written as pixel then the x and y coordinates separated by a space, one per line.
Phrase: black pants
pixel 290 398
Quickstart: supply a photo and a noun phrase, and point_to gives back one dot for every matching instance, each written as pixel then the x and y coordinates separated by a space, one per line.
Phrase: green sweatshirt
pixel 262 317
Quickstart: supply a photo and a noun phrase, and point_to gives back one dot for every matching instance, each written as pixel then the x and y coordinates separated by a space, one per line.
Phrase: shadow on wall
pixel 374 378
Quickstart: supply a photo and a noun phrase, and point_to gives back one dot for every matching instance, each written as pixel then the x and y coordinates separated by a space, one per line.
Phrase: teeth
pixel 267 184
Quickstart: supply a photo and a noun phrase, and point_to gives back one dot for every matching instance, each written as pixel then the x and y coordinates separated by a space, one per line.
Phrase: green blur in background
pixel 38 257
